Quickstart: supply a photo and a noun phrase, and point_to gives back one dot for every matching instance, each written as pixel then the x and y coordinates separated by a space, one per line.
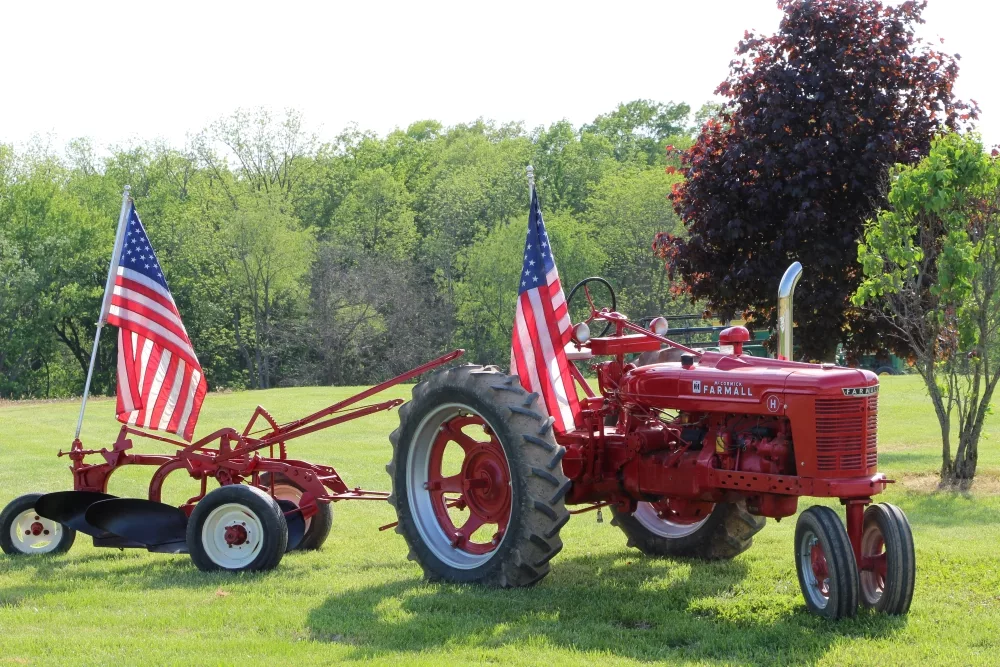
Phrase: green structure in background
pixel 707 336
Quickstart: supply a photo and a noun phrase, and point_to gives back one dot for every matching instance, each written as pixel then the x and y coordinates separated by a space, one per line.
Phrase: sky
pixel 125 72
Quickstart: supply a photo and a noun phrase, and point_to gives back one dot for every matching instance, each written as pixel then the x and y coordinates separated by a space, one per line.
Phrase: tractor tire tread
pixel 844 586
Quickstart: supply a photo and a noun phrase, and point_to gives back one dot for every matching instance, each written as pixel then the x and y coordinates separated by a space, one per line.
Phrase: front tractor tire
pixel 887 540
pixel 722 534
pixel 477 479
pixel 825 563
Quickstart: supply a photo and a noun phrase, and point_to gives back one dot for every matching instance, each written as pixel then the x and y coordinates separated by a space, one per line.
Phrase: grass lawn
pixel 360 600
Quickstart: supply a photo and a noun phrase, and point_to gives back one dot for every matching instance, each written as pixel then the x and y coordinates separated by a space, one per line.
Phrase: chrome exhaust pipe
pixel 786 288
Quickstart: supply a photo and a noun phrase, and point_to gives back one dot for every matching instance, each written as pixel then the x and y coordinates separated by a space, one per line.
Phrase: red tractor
pixel 690 450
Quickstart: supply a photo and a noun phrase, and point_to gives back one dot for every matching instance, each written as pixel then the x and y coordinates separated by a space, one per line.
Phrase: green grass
pixel 360 600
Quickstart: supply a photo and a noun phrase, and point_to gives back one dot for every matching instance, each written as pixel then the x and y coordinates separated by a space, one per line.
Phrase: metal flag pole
pixel 531 180
pixel 105 302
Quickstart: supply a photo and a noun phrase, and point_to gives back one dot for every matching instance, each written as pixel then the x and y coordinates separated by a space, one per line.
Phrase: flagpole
pixel 531 180
pixel 105 303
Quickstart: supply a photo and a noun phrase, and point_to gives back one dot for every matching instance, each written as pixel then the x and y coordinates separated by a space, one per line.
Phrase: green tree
pixel 270 257
pixel 931 263
pixel 375 218
pixel 639 130
pixel 486 297
pixel 628 208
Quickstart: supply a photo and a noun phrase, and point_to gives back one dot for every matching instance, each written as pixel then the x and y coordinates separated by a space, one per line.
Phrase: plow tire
pixel 265 535
pixel 727 533
pixel 17 517
pixel 318 526
pixel 537 511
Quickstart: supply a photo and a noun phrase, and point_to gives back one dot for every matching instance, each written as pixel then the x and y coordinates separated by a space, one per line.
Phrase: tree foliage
pixel 791 166
pixel 931 262
pixel 294 260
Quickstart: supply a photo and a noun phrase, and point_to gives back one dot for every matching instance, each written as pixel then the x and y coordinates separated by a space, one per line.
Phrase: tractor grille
pixel 846 434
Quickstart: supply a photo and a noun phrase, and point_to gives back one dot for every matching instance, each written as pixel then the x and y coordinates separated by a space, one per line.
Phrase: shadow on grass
pixel 619 604
pixel 127 569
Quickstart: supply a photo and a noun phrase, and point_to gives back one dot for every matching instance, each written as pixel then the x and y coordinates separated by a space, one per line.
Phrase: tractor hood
pixel 744 384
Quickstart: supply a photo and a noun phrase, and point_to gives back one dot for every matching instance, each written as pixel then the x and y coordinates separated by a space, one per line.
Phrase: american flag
pixel 542 327
pixel 160 382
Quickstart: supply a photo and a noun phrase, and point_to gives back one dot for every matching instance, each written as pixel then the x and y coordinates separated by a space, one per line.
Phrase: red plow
pixel 266 503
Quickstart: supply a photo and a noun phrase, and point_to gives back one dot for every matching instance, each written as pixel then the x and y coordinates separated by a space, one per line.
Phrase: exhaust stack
pixel 785 291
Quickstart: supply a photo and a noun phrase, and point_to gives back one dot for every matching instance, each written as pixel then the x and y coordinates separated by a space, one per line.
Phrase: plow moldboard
pixel 158 527
pixel 70 508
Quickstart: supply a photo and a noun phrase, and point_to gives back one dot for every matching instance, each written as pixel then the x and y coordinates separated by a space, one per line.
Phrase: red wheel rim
pixel 820 569
pixel 482 486
pixel 686 516
pixel 873 555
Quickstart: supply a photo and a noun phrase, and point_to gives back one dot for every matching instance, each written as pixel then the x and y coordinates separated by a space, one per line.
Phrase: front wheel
pixel 24 532
pixel 720 533
pixel 825 563
pixel 887 543
pixel 477 479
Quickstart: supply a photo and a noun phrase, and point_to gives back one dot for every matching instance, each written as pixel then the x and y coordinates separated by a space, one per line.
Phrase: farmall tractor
pixel 690 450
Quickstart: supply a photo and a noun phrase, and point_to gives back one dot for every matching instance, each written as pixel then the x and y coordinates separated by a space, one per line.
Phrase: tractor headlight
pixel 581 333
pixel 659 326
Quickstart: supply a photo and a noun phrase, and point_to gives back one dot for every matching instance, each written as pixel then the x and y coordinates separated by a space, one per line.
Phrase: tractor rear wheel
pixel 824 560
pixel 477 479
pixel 723 533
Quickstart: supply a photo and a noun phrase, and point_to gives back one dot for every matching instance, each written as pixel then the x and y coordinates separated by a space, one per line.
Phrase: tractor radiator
pixel 846 434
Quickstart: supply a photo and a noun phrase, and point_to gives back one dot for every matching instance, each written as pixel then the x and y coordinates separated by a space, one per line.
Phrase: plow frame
pixel 238 457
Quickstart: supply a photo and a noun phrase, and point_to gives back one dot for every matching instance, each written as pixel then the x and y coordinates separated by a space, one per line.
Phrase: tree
pixel 569 164
pixel 270 255
pixel 375 218
pixel 931 263
pixel 791 167
pixel 628 210
pixel 486 298
pixel 638 130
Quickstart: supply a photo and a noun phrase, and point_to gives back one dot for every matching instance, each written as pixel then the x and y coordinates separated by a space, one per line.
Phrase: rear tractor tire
pixel 477 479
pixel 722 534
pixel 24 533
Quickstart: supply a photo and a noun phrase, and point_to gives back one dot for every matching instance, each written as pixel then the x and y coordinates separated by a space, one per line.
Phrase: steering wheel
pixel 593 309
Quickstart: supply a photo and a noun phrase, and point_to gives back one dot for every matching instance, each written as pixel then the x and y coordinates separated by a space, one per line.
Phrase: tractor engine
pixel 704 431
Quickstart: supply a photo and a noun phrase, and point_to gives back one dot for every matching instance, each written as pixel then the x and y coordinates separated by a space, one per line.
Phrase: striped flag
pixel 160 382
pixel 542 327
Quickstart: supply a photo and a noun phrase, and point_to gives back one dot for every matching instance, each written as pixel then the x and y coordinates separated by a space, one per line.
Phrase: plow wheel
pixel 477 480
pixel 317 526
pixel 723 532
pixel 886 539
pixel 827 569
pixel 24 532
pixel 237 528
